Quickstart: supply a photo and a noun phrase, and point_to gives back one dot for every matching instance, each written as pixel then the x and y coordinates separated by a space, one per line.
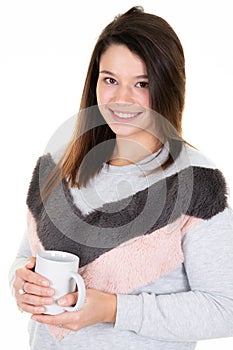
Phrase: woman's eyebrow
pixel 107 72
pixel 140 76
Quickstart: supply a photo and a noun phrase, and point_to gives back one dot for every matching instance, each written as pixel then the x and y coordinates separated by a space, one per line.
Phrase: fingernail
pixel 34 318
pixel 62 302
pixel 50 292
pixel 41 310
pixel 45 283
pixel 29 265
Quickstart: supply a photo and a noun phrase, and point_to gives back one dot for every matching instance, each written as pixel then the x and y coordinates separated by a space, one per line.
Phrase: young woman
pixel 146 213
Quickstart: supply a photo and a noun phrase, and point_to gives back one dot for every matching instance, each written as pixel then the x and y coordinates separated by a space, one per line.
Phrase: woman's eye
pixel 110 81
pixel 142 84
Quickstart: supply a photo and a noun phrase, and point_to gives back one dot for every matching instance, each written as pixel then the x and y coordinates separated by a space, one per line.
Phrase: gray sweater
pixel 165 247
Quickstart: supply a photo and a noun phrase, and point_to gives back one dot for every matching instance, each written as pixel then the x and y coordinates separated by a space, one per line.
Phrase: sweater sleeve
pixel 23 253
pixel 203 312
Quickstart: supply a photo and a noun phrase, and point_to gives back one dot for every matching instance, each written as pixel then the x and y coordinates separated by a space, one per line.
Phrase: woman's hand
pixel 98 307
pixel 35 288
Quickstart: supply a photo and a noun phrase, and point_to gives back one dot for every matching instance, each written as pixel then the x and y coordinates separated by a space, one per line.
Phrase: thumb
pixel 30 263
pixel 68 299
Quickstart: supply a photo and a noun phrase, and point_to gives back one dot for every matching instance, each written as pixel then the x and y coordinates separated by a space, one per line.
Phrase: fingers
pixel 30 263
pixel 32 309
pixel 30 288
pixel 34 304
pixel 68 299
pixel 36 300
pixel 35 289
pixel 28 275
pixel 69 320
pixel 30 281
pixel 37 292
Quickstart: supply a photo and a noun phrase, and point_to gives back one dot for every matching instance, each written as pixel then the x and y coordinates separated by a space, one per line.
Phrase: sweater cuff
pixel 129 312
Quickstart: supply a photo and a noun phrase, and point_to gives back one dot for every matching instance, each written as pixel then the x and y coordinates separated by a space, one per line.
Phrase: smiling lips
pixel 124 116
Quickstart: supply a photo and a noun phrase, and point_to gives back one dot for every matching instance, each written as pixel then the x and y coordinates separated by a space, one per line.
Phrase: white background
pixel 45 49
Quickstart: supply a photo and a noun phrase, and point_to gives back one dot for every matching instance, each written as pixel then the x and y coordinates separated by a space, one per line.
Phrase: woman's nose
pixel 123 94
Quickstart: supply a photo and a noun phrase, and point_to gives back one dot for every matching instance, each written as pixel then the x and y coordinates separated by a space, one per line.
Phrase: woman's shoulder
pixel 204 171
pixel 43 165
pixel 194 157
pixel 46 162
pixel 205 183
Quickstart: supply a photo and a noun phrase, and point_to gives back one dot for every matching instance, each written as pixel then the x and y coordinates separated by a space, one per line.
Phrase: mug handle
pixel 81 292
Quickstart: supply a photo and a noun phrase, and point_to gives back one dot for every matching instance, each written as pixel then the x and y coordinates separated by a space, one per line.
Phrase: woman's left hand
pixel 98 307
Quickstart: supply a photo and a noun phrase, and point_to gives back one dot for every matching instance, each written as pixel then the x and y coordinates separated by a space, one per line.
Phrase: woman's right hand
pixel 32 290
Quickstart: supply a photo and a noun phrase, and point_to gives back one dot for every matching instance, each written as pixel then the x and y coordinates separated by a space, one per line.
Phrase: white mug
pixel 61 269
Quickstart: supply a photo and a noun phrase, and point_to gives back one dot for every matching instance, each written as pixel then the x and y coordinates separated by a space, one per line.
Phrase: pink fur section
pixel 34 241
pixel 139 261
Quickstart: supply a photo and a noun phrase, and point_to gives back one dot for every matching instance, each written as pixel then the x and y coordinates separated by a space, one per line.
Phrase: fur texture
pixel 139 261
pixel 195 191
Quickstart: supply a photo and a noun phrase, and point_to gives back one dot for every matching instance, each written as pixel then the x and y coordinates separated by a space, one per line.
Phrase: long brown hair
pixel 153 40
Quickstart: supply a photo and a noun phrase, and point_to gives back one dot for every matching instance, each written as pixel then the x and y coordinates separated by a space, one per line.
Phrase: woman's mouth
pixel 120 116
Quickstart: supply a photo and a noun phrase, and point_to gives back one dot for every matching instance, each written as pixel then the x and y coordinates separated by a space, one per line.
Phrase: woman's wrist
pixel 111 308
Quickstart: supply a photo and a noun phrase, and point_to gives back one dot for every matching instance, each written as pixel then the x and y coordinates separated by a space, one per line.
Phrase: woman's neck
pixel 129 151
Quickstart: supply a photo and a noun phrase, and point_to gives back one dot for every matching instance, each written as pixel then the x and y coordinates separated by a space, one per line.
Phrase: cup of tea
pixel 61 269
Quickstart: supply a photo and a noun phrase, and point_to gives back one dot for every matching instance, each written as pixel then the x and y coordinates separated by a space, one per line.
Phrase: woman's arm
pixel 204 312
pixel 23 253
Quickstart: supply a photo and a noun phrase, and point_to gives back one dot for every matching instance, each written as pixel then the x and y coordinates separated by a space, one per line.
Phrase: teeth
pixel 125 115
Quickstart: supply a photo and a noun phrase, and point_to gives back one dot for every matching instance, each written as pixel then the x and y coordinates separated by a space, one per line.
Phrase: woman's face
pixel 122 91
